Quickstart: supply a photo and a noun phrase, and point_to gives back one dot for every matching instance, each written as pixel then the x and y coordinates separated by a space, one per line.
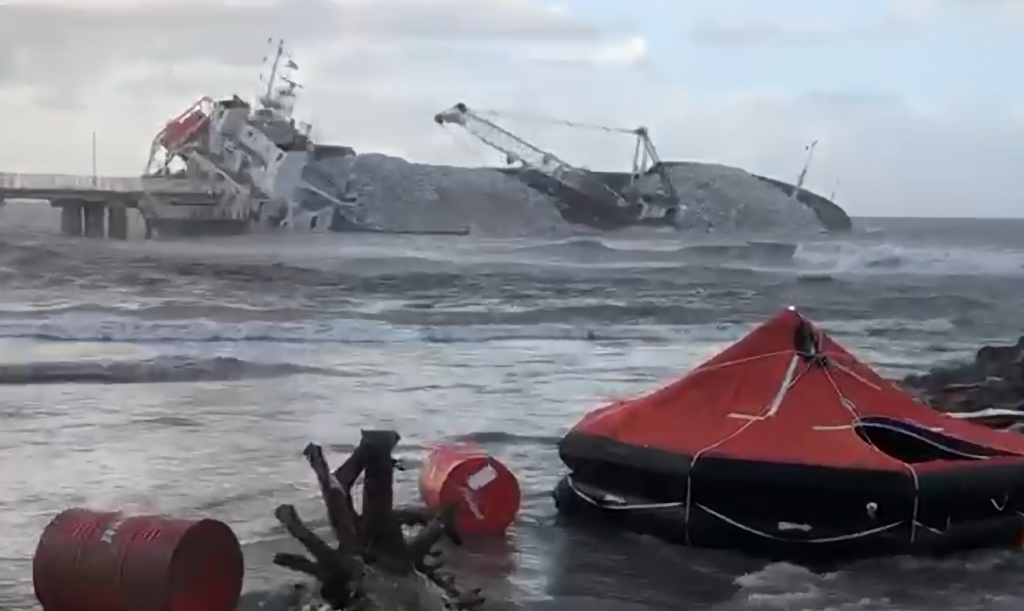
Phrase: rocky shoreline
pixel 988 389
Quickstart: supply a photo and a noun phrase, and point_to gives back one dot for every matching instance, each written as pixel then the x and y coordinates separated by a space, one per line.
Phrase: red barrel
pixel 484 490
pixel 100 561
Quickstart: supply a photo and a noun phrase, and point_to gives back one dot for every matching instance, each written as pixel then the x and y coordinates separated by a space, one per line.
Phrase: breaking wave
pixel 348 331
pixel 665 324
pixel 595 250
pixel 885 258
pixel 157 370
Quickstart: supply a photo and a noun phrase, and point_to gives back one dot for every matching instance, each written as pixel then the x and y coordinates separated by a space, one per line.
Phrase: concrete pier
pixel 95 207
pixel 95 221
pixel 70 218
pixel 117 222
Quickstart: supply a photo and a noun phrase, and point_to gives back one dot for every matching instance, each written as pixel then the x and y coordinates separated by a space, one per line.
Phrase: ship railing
pixel 171 185
pixel 68 182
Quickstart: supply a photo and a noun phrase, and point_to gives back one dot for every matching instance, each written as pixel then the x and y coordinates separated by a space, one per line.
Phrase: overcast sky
pixel 917 103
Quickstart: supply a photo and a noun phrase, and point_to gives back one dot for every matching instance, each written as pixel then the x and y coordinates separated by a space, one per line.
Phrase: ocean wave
pixel 597 250
pixel 150 371
pixel 158 310
pixel 189 334
pixel 850 257
pixel 886 326
pixel 502 438
pixel 349 331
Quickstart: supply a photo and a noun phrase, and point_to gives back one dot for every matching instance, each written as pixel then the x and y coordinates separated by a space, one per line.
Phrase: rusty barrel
pixel 485 492
pixel 107 561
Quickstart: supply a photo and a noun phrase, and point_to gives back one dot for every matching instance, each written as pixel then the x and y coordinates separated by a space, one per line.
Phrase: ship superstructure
pixel 244 161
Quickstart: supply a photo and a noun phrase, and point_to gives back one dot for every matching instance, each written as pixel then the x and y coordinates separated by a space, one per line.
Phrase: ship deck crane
pixel 645 155
pixel 518 150
pixel 646 159
pixel 803 172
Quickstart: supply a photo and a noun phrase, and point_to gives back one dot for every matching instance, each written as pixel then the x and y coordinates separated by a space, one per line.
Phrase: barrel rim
pixel 200 529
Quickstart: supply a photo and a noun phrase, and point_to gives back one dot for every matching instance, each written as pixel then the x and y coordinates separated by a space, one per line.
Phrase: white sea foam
pixel 849 257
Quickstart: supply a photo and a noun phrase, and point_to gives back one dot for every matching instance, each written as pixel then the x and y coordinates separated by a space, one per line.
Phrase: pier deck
pixel 95 207
pixel 54 187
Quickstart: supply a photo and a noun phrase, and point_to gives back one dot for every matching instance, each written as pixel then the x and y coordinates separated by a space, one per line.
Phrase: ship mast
pixel 803 173
pixel 268 96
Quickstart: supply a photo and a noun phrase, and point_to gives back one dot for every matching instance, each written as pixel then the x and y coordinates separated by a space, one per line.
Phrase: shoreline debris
pixel 374 566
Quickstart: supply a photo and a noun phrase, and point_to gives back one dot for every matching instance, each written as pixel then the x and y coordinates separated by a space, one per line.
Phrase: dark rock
pixel 994 380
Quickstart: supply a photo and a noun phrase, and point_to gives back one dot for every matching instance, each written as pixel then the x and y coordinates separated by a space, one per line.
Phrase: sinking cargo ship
pixel 243 167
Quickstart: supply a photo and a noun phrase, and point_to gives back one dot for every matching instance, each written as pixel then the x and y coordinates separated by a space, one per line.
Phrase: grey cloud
pixel 890 156
pixel 66 46
pixel 1002 16
pixel 714 32
pixel 7 65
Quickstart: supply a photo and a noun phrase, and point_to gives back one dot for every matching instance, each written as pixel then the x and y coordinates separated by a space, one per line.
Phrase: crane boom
pixel 517 150
pixel 646 158
pixel 803 173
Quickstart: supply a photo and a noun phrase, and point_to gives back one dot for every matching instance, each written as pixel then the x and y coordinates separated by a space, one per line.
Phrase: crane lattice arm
pixel 803 173
pixel 645 155
pixel 517 150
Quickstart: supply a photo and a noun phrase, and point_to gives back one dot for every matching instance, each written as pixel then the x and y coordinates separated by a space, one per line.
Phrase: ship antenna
pixel 268 96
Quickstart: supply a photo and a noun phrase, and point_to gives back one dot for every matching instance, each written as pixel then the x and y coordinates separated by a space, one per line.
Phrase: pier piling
pixel 95 220
pixel 117 222
pixel 70 218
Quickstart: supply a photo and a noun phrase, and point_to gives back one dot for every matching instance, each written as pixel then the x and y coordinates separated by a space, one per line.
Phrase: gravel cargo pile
pixel 728 200
pixel 394 194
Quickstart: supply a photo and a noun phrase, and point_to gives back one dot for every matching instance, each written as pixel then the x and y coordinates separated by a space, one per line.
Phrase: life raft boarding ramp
pixel 842 463
pixel 586 198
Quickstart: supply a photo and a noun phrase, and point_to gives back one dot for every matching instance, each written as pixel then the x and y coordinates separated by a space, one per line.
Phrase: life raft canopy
pixel 842 462
pixel 786 394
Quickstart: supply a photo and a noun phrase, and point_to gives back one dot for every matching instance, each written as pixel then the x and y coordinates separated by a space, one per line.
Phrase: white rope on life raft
pixel 735 523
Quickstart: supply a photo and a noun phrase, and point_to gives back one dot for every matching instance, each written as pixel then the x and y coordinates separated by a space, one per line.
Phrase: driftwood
pixel 374 567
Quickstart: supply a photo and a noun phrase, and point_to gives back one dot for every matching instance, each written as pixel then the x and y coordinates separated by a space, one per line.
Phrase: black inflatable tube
pixel 706 530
